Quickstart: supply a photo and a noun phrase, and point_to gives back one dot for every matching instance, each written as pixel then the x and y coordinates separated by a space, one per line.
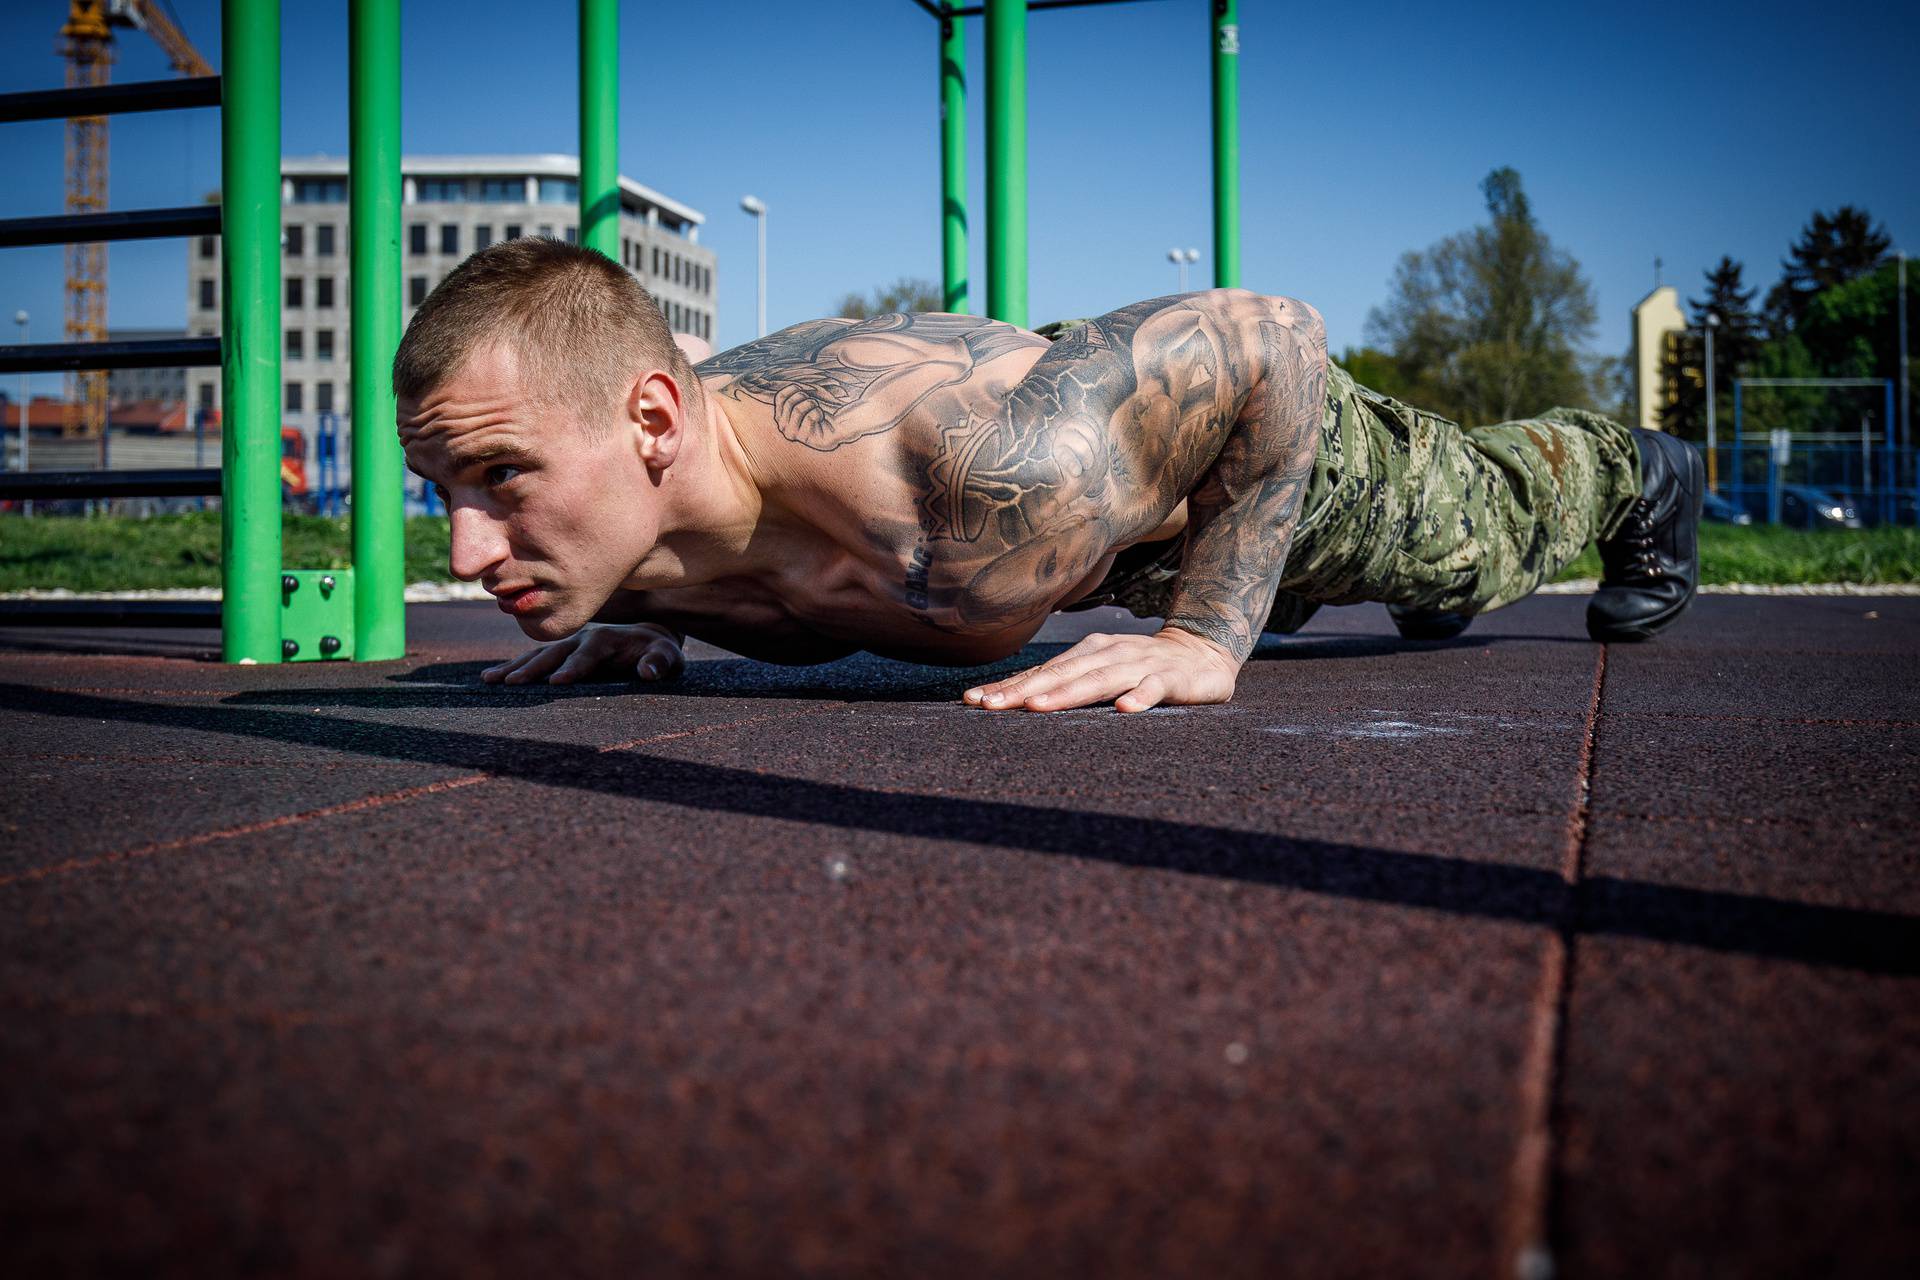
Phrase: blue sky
pixel 1682 131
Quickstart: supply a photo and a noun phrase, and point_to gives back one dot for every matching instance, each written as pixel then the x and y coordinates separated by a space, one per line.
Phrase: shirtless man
pixel 932 487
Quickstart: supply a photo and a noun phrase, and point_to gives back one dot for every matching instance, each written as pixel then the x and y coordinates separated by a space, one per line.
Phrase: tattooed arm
pixel 1224 408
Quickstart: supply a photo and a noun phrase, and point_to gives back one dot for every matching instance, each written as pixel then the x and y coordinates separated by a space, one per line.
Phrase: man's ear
pixel 656 416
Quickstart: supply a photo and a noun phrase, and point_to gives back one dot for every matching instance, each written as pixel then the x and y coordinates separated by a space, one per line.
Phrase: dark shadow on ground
pixel 1869 941
pixel 194 643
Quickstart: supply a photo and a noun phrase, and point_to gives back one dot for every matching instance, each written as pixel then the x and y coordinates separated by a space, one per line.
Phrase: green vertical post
pixel 953 160
pixel 1007 160
pixel 379 514
pixel 250 331
pixel 1225 33
pixel 600 126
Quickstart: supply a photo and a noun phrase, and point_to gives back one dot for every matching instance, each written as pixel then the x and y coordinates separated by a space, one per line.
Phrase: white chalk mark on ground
pixel 1378 729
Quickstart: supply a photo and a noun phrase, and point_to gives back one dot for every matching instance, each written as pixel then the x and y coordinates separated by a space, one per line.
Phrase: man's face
pixel 546 515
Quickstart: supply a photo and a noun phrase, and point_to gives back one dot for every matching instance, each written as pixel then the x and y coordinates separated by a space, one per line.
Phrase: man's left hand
pixel 1133 672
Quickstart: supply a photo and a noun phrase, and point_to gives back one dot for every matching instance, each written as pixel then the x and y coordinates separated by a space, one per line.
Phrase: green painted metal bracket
pixel 316 615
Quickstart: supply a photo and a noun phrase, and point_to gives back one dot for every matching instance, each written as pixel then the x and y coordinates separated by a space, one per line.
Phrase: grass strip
pixel 123 553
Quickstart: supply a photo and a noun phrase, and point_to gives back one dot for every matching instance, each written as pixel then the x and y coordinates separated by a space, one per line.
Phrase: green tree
pixel 908 293
pixel 1378 371
pixel 1832 249
pixel 1484 324
pixel 1735 343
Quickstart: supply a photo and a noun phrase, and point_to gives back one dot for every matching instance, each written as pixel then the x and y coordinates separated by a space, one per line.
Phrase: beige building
pixel 1657 323
pixel 452 206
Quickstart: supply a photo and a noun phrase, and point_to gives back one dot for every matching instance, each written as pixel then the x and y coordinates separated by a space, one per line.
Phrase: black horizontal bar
pixel 109 613
pixel 151 353
pixel 51 486
pixel 132 224
pixel 110 99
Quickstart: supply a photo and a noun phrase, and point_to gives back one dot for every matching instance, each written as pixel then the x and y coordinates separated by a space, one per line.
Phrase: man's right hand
pixel 597 651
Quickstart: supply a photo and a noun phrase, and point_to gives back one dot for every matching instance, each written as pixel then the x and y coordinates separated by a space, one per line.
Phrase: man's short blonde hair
pixel 580 324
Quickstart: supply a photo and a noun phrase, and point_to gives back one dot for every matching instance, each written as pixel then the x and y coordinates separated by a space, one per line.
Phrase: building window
pixel 323 239
pixel 323 291
pixel 296 241
pixel 416 290
pixel 441 189
pixel 323 397
pixel 482 236
pixel 417 239
pixel 206 246
pixel 206 397
pixel 296 344
pixel 450 238
pixel 626 251
pixel 323 344
pixel 206 295
pixel 546 229
pixel 513 231
pixel 319 190
pixel 559 191
pixel 573 234
pixel 503 190
pixel 296 293
pixel 293 398
pixel 656 260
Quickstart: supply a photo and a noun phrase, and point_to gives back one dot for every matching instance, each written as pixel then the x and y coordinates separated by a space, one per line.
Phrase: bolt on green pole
pixel 600 126
pixel 1226 144
pixel 953 160
pixel 1007 160
pixel 379 513
pixel 250 331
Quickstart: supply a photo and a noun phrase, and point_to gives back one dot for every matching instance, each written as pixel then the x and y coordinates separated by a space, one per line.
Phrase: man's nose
pixel 478 543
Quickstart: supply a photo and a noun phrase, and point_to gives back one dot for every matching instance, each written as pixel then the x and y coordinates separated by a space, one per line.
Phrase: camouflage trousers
pixel 1407 508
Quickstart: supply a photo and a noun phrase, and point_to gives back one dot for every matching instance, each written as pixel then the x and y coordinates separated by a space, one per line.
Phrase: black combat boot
pixel 1428 624
pixel 1652 562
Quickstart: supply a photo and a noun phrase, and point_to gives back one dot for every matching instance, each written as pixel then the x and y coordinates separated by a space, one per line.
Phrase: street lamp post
pixel 1713 454
pixel 1182 258
pixel 20 318
pixel 754 206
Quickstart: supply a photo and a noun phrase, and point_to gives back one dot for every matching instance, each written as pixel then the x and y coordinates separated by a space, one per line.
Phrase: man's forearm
pixel 1242 515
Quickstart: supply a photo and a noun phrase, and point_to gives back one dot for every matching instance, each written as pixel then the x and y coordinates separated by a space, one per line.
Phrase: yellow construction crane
pixel 87 45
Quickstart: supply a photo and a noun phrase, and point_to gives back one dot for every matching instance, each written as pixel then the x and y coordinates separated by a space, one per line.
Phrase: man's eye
pixel 501 474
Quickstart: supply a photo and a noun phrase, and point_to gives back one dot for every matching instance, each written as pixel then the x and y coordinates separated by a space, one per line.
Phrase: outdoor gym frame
pixel 270 614
pixel 1006 113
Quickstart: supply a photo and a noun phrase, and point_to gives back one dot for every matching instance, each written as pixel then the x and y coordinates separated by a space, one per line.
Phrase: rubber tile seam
pixel 353 806
pixel 1528 1246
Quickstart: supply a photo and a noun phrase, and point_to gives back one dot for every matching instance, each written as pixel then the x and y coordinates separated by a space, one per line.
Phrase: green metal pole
pixel 953 160
pixel 250 334
pixel 600 126
pixel 1007 160
pixel 379 514
pixel 1226 144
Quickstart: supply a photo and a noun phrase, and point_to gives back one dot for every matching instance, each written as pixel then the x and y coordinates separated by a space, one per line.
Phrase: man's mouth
pixel 521 600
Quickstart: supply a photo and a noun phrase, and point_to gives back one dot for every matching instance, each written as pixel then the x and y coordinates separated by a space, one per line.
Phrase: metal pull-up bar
pixel 1006 114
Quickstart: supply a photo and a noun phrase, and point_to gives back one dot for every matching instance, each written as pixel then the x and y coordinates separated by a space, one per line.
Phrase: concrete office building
pixel 155 386
pixel 452 206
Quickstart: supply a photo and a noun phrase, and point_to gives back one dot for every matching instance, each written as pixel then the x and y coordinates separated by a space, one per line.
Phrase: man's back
pixel 953 493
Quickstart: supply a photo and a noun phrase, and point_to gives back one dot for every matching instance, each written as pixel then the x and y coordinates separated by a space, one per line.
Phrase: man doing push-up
pixel 932 487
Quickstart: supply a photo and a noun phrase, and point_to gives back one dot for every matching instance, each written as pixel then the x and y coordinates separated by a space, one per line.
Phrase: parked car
pixel 1805 507
pixel 1721 510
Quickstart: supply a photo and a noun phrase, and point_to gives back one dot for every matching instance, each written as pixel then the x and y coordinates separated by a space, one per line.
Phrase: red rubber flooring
pixel 1508 956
